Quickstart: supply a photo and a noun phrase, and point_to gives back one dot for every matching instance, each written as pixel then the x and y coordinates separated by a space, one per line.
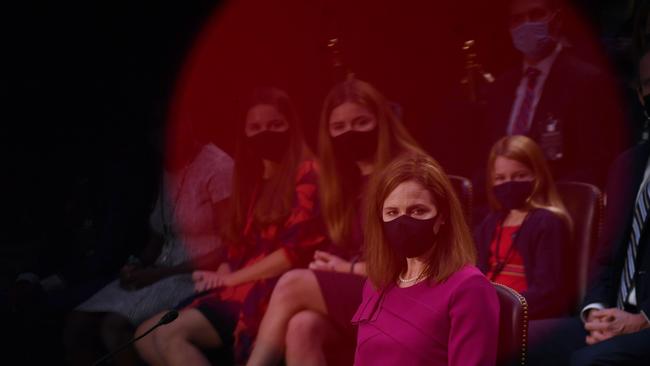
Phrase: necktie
pixel 638 222
pixel 521 122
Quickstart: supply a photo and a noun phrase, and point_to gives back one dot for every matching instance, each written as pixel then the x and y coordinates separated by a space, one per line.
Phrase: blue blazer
pixel 543 242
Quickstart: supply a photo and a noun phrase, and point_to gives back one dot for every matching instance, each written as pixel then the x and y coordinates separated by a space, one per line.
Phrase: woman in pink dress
pixel 425 303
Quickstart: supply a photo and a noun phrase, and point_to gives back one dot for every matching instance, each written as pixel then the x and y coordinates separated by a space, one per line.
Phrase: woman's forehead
pixel 408 193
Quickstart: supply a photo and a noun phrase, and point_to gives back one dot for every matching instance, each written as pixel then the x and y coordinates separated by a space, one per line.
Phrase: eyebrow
pixel 415 205
pixel 360 117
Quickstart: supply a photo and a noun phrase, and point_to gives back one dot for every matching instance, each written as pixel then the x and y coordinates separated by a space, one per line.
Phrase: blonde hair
pixel 525 151
pixel 337 200
pixel 453 247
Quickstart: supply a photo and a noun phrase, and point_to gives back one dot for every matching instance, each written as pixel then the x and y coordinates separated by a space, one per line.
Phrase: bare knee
pixel 292 287
pixel 306 327
pixel 293 281
pixel 146 346
pixel 146 325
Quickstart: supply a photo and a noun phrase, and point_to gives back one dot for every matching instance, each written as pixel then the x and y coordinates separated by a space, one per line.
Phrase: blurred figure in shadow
pixel 524 243
pixel 273 225
pixel 308 319
pixel 82 245
pixel 184 237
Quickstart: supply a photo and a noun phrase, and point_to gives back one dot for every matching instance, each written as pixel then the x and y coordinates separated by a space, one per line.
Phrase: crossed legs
pixel 295 322
pixel 180 342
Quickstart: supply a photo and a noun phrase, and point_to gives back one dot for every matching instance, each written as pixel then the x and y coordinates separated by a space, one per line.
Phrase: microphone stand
pixel 166 319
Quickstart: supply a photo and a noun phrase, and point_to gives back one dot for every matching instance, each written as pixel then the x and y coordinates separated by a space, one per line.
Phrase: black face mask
pixel 410 237
pixel 513 195
pixel 269 145
pixel 355 145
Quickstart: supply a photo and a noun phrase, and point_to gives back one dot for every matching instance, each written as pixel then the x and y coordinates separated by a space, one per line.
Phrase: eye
pixel 252 127
pixel 419 211
pixel 337 126
pixel 361 122
pixel 522 176
pixel 390 213
pixel 278 125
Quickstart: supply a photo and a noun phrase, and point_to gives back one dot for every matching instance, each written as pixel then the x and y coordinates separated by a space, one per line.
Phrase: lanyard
pixel 501 264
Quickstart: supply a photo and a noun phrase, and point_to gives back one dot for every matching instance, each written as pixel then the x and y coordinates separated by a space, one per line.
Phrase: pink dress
pixel 453 323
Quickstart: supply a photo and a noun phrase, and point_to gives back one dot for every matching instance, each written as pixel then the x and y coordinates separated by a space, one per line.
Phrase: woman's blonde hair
pixel 338 198
pixel 453 247
pixel 525 151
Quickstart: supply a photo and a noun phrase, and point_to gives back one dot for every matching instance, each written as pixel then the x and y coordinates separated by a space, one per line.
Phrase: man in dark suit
pixel 614 328
pixel 562 102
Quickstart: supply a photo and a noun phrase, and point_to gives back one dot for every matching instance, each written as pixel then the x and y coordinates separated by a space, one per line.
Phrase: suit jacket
pixel 580 98
pixel 624 181
pixel 542 242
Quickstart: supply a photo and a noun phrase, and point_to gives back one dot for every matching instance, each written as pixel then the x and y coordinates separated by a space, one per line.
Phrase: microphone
pixel 169 317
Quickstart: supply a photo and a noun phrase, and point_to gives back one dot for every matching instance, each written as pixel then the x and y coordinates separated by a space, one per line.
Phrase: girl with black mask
pixel 524 242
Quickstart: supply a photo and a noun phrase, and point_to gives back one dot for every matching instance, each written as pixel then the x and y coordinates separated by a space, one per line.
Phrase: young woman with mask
pixel 524 242
pixel 274 226
pixel 359 134
pixel 425 303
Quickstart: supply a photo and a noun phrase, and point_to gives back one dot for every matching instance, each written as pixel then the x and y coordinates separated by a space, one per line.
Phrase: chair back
pixel 513 327
pixel 584 202
pixel 465 193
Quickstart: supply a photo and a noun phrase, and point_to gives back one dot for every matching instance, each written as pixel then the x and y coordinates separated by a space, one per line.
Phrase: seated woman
pixel 358 135
pixel 424 303
pixel 185 237
pixel 524 242
pixel 275 225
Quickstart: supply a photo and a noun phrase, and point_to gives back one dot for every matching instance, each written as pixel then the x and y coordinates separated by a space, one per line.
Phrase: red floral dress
pixel 298 237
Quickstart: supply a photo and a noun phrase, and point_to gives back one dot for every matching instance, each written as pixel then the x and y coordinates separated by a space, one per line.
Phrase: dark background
pixel 85 89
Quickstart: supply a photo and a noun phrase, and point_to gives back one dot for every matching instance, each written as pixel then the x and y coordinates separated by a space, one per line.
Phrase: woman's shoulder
pixel 489 221
pixel 543 217
pixel 468 272
pixel 470 285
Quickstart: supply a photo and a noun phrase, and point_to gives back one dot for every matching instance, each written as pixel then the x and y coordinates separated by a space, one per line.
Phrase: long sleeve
pixel 546 270
pixel 304 230
pixel 474 312
pixel 622 185
pixel 482 237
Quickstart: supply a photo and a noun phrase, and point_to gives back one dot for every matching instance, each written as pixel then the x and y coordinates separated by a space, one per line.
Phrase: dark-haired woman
pixel 274 226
